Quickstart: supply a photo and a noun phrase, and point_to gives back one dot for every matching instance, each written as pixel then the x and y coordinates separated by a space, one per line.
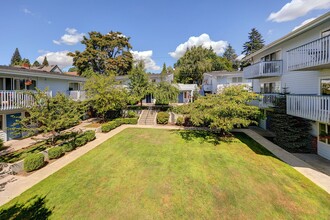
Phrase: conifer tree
pixel 254 43
pixel 16 59
pixel 45 62
pixel 164 70
pixel 36 63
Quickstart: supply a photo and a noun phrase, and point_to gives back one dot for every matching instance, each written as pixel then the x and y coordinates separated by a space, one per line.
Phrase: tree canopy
pixel 104 53
pixel 139 85
pixel 165 93
pixel 231 56
pixel 16 59
pixel 36 63
pixel 223 111
pixel 254 43
pixel 196 61
pixel 105 95
pixel 45 62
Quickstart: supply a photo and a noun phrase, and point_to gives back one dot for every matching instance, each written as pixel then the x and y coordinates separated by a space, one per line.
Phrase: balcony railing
pixel 311 56
pixel 77 95
pixel 312 107
pixel 263 69
pixel 266 100
pixel 16 99
pixel 207 87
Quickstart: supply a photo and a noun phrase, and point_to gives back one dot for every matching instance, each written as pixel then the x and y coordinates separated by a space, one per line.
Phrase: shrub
pixel 89 135
pixel 69 146
pixel 117 122
pixel 33 162
pixel 132 121
pixel 162 117
pixel 55 152
pixel 180 121
pixel 131 114
pixel 1 143
pixel 80 141
pixel 109 126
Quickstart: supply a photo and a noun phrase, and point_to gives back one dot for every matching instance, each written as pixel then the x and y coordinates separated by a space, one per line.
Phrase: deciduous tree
pixel 104 53
pixel 165 93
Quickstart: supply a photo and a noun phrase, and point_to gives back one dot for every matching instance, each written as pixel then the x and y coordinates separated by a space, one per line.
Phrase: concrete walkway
pixel 319 178
pixel 18 184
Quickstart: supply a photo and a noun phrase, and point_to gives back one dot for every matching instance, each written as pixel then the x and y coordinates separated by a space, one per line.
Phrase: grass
pixel 155 174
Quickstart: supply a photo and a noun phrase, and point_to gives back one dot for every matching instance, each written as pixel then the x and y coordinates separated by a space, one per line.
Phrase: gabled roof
pixel 49 69
pixel 292 34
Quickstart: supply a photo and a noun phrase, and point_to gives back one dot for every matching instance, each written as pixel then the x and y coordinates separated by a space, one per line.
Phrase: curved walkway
pixel 18 184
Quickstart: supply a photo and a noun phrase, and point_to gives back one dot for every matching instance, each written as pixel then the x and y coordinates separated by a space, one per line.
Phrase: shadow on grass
pixel 253 145
pixel 204 136
pixel 35 209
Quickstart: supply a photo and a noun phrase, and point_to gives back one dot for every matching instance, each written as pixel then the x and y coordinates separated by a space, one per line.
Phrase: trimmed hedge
pixel 80 141
pixel 162 118
pixel 180 121
pixel 131 114
pixel 89 135
pixel 117 122
pixel 55 152
pixel 33 162
pixel 68 146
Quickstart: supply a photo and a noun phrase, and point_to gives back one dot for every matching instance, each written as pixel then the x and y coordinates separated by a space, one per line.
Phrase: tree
pixel 223 111
pixel 25 62
pixel 196 61
pixel 254 43
pixel 104 53
pixel 48 114
pixel 73 69
pixel 105 95
pixel 164 70
pixel 139 85
pixel 16 59
pixel 290 132
pixel 45 62
pixel 36 64
pixel 165 93
pixel 231 56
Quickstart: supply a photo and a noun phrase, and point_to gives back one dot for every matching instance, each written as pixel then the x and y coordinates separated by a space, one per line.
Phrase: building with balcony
pixel 15 80
pixel 299 62
pixel 214 82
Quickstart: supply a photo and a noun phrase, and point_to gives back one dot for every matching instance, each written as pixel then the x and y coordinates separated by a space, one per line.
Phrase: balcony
pixel 314 55
pixel 207 87
pixel 266 100
pixel 264 69
pixel 16 99
pixel 77 95
pixel 312 107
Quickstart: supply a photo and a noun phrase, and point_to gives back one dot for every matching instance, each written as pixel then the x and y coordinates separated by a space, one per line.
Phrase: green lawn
pixel 152 174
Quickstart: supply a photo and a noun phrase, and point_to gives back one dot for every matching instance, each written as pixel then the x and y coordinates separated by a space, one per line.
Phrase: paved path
pixel 319 178
pixel 19 184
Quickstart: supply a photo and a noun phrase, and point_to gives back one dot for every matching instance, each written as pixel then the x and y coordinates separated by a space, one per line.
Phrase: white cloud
pixel 72 37
pixel 297 8
pixel 202 40
pixel 240 57
pixel 150 64
pixel 59 58
pixel 27 11
pixel 303 23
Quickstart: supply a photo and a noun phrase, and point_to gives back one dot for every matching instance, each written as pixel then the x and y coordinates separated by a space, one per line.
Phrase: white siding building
pixel 13 82
pixel 300 63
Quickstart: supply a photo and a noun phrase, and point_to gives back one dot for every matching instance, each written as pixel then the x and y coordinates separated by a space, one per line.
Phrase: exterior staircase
pixel 148 117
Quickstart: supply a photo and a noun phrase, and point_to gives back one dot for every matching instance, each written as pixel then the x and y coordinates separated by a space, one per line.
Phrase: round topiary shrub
pixel 162 117
pixel 55 152
pixel 180 121
pixel 33 162
pixel 69 146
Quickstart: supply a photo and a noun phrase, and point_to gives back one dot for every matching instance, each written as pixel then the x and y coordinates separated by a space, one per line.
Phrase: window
pixel 237 79
pixel 272 87
pixel 325 86
pixel 324 135
pixel 73 86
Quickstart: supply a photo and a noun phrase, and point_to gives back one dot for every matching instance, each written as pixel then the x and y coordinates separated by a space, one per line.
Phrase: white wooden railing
pixel 77 95
pixel 16 99
pixel 312 107
pixel 266 100
pixel 312 54
pixel 263 69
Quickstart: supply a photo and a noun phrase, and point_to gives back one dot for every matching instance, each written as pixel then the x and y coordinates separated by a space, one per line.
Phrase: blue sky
pixel 156 28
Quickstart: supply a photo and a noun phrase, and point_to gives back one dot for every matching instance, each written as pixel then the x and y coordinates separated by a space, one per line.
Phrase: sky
pixel 160 31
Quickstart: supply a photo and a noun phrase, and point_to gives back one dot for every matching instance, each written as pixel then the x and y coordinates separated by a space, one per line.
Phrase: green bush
pixel 109 126
pixel 33 162
pixel 55 152
pixel 131 114
pixel 1 143
pixel 80 141
pixel 89 135
pixel 117 122
pixel 69 146
pixel 180 121
pixel 162 117
pixel 131 121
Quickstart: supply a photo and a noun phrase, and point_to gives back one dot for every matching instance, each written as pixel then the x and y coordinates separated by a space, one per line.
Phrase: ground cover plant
pixel 157 174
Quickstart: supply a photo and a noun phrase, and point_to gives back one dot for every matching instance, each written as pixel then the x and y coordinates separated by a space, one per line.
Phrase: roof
pixel 72 73
pixel 224 73
pixel 292 34
pixel 21 71
pixel 186 87
pixel 51 68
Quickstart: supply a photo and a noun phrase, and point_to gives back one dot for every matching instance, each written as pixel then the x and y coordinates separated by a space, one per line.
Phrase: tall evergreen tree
pixel 230 53
pixel 45 62
pixel 254 43
pixel 164 70
pixel 16 59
